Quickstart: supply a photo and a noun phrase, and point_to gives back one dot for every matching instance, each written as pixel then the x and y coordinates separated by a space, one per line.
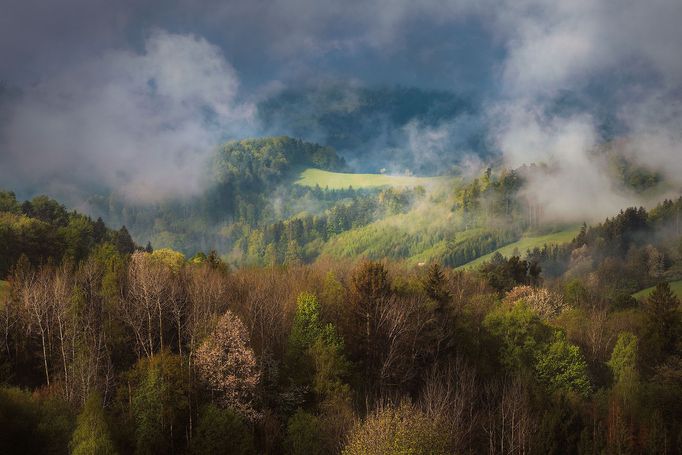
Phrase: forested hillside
pixel 372 125
pixel 151 352
pixel 286 227
pixel 420 315
pixel 44 231
pixel 245 182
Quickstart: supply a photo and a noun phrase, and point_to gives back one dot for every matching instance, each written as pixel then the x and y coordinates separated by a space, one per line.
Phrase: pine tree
pixel 663 320
pixel 435 285
pixel 99 231
pixel 124 242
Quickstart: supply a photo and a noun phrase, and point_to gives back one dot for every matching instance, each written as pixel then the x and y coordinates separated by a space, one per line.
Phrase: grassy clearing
pixel 340 180
pixel 675 286
pixel 528 243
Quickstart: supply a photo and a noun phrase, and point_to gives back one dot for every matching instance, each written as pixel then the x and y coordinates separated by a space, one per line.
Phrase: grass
pixel 528 243
pixel 675 286
pixel 341 180
pixel 399 236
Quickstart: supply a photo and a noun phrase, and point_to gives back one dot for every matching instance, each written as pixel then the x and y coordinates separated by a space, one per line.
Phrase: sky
pixel 134 94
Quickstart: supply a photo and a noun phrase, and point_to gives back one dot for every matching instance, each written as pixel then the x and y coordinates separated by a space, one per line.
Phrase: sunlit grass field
pixel 341 180
pixel 675 286
pixel 528 243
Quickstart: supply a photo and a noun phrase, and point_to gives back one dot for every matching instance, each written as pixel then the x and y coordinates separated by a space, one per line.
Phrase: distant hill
pixel 375 127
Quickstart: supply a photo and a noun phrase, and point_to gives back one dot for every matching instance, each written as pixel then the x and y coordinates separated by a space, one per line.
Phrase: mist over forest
pixel 362 227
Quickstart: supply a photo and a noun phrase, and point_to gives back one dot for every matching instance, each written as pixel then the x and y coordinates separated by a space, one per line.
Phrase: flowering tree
pixel 227 365
pixel 545 303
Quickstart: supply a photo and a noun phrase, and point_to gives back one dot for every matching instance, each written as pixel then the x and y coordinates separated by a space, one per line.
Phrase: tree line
pixel 148 352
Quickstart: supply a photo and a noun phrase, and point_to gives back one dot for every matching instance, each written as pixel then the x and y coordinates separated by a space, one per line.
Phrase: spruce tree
pixel 124 242
pixel 663 320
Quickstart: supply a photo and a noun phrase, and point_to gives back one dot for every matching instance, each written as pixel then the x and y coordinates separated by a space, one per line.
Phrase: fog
pixel 137 103
pixel 628 50
pixel 142 123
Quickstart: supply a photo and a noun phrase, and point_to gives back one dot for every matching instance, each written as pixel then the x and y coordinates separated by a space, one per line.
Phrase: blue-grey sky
pixel 104 84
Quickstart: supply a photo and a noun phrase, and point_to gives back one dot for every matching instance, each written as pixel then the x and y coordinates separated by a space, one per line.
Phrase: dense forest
pixel 113 348
pixel 338 320
pixel 292 227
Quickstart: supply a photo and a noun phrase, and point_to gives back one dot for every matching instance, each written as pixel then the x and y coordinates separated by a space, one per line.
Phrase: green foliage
pixel 307 326
pixel 675 287
pixel 504 274
pixel 78 236
pixel 174 260
pixel 400 430
pixel 42 230
pixel 47 210
pixel 91 436
pixel 527 243
pixel 561 428
pixel 623 362
pixel 575 293
pixel 435 285
pixel 561 366
pixel 521 334
pixel 623 365
pixel 9 203
pixel 304 434
pixel 663 321
pixel 632 174
pixel 330 363
pixel 314 353
pixel 124 242
pixel 222 431
pixel 159 402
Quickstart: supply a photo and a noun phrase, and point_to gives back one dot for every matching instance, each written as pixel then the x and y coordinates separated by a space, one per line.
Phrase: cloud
pixel 100 92
pixel 140 122
pixel 622 48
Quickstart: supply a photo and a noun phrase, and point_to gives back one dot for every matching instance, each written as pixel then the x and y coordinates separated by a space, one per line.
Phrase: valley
pixel 373 227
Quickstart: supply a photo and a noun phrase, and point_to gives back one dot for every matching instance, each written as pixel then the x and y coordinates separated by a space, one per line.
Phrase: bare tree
pixel 401 325
pixel 206 291
pixel 34 293
pixel 145 305
pixel 91 367
pixel 449 396
pixel 509 422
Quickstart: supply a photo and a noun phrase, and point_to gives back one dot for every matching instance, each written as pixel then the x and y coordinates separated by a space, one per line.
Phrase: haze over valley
pixel 367 227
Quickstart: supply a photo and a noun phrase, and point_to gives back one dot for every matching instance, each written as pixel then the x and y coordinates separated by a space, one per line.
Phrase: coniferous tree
pixel 663 321
pixel 435 285
pixel 124 242
pixel 99 230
